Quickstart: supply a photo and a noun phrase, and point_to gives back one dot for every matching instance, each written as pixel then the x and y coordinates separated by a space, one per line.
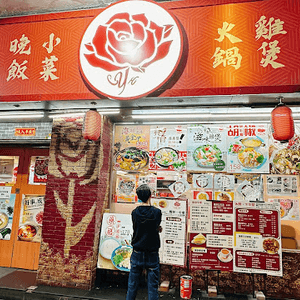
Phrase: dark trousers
pixel 140 261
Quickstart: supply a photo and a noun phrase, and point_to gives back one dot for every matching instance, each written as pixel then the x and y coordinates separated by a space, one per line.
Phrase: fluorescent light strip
pixel 22 116
pixel 200 116
pixel 78 114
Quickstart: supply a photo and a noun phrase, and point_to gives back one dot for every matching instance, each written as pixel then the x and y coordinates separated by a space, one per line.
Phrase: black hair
pixel 143 192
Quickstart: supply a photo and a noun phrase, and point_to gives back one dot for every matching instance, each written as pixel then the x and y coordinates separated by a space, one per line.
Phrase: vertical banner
pixel 257 238
pixel 31 218
pixel 7 203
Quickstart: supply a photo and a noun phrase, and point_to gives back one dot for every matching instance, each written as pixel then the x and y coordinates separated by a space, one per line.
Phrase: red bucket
pixel 186 286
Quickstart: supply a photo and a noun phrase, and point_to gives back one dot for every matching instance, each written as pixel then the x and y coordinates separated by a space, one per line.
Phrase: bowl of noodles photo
pixel 3 221
pixel 250 158
pixel 271 245
pixel 166 156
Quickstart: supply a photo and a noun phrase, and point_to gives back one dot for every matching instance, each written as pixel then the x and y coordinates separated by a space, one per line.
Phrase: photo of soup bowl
pixel 27 232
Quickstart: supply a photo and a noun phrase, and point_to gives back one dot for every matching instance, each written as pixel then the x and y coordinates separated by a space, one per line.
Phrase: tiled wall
pixel 42 131
pixel 76 195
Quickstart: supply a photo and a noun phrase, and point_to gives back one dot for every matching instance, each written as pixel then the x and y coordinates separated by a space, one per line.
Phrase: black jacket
pixel 146 221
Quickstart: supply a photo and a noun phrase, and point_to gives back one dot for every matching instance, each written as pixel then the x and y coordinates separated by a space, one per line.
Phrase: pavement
pixel 21 285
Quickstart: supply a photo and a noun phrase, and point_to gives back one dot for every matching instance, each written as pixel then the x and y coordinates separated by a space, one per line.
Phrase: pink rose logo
pixel 128 41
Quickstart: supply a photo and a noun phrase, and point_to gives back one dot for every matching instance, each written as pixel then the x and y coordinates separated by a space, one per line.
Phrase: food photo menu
pixel 257 238
pixel 247 148
pixel 206 148
pixel 167 148
pixel 173 235
pixel 211 235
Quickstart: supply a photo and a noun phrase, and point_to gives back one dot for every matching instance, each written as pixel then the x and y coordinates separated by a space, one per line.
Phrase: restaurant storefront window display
pixel 225 218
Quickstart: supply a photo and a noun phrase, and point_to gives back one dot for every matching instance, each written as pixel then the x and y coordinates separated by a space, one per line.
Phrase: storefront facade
pixel 186 51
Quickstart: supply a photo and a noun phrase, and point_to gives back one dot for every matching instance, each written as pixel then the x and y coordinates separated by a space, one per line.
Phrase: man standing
pixel 145 242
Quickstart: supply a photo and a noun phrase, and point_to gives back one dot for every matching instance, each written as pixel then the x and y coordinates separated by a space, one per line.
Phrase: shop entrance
pixel 17 248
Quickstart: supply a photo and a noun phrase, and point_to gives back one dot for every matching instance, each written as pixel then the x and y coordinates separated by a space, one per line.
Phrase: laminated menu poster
pixel 257 238
pixel 7 203
pixel 173 235
pixel 211 235
pixel 126 188
pixel 206 148
pixel 31 218
pixel 131 148
pixel 289 208
pixel 282 185
pixel 168 148
pixel 38 170
pixel 247 148
pixel 115 242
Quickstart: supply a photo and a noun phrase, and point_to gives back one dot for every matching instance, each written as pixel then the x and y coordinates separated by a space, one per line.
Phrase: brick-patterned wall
pixel 76 195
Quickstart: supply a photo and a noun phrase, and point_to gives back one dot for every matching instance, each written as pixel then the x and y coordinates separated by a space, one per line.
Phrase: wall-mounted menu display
pixel 7 203
pixel 211 235
pixel 31 219
pixel 168 148
pixel 206 148
pixel 282 185
pixel 173 235
pixel 247 146
pixel 257 238
pixel 38 170
pixel 131 148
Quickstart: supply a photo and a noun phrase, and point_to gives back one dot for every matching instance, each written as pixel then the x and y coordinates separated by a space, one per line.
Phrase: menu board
pixel 247 148
pixel 206 148
pixel 31 219
pixel 257 238
pixel 116 232
pixel 211 235
pixel 131 146
pixel 168 148
pixel 38 170
pixel 173 235
pixel 282 185
pixel 7 203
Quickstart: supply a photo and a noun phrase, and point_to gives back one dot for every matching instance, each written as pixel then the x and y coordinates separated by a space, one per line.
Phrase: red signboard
pixel 24 131
pixel 231 48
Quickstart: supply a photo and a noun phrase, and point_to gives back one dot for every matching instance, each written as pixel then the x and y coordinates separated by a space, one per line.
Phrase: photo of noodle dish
pixel 120 258
pixel 207 155
pixel 166 156
pixel 250 158
pixel 271 245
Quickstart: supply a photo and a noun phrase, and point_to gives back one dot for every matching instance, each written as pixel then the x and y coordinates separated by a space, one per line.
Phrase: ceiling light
pixel 21 115
pixel 75 114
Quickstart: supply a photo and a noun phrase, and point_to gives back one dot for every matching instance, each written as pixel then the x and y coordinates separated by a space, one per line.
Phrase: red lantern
pixel 92 125
pixel 282 123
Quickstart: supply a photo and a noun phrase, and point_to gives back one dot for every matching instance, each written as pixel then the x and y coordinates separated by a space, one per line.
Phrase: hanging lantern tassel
pixel 92 125
pixel 282 123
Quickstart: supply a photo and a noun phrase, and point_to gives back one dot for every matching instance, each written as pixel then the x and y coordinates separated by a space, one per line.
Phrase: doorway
pixel 16 252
